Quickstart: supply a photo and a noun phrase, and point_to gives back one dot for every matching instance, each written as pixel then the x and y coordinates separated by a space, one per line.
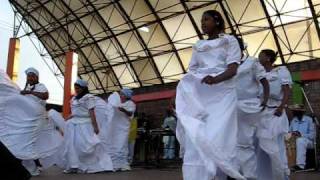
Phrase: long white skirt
pixel 247 142
pixel 272 159
pixel 118 143
pixel 104 113
pixel 24 128
pixel 83 149
pixel 208 128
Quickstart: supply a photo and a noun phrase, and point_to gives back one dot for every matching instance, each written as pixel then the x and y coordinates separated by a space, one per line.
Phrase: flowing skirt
pixel 272 159
pixel 82 148
pixel 207 127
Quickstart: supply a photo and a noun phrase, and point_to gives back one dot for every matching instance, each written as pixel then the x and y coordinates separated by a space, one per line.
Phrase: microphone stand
pixel 316 121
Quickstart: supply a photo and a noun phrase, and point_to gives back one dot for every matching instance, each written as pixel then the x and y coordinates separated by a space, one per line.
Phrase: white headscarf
pixel 82 83
pixel 32 70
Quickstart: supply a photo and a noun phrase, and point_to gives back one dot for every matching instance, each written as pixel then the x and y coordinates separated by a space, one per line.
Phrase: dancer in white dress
pixel 272 159
pixel 123 111
pixel 250 110
pixel 206 104
pixel 24 128
pixel 83 151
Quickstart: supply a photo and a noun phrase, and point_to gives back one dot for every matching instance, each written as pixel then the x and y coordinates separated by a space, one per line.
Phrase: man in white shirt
pixel 302 127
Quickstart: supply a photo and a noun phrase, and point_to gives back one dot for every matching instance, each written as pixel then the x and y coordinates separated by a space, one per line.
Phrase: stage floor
pixel 142 174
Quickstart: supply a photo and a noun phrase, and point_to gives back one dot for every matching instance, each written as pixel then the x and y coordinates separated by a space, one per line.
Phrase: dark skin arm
pixel 227 74
pixel 285 99
pixel 94 121
pixel 43 96
pixel 128 113
pixel 266 92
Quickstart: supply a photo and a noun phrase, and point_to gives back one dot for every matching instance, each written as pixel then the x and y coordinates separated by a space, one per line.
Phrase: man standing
pixel 302 128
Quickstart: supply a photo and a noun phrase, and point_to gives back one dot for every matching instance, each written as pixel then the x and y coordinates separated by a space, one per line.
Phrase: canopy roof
pixel 135 43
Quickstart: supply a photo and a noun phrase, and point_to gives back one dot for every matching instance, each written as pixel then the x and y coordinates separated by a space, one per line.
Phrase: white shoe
pixel 126 168
pixel 36 172
pixel 70 171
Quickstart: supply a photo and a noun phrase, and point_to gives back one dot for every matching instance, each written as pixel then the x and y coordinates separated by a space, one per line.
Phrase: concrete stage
pixel 142 174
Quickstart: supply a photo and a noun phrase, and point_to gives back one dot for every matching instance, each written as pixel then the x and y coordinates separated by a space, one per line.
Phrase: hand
pixel 121 109
pixel 24 92
pixel 278 111
pixel 69 117
pixel 96 130
pixel 209 80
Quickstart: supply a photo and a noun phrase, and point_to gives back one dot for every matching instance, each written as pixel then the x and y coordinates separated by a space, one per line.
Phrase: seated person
pixel 302 128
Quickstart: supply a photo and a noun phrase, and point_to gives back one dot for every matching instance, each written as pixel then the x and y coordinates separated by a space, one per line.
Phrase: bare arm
pixel 266 91
pixel 227 74
pixel 41 95
pixel 94 121
pixel 285 99
pixel 128 113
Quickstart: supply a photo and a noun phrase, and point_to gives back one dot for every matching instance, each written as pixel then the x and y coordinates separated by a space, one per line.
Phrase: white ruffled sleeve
pixel 89 101
pixel 193 65
pixel 259 71
pixel 233 50
pixel 285 76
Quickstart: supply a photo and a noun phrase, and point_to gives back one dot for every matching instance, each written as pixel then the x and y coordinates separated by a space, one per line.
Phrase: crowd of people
pixel 229 118
pixel 94 138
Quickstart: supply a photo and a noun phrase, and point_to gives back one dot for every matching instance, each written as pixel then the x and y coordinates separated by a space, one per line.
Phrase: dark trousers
pixel 11 167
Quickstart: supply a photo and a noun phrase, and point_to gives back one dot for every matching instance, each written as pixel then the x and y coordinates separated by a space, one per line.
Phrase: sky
pixel 29 57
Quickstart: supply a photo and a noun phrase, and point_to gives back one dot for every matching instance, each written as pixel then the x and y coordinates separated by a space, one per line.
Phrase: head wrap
pixel 81 83
pixel 32 70
pixel 127 92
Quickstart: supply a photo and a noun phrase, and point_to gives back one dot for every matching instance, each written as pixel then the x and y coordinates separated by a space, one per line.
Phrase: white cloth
pixel 250 72
pixel 277 77
pixel 24 128
pixel 120 126
pixel 103 111
pixel 207 126
pixel 83 149
pixel 272 129
pixel 131 146
pixel 37 88
pixel 32 70
pixel 302 144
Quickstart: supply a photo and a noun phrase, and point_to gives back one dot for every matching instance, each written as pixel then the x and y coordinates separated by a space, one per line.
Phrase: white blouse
pixel 41 88
pixel 212 57
pixel 80 107
pixel 277 77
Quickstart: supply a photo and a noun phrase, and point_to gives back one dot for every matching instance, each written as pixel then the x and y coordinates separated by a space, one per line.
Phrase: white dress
pixel 83 149
pixel 272 159
pixel 207 118
pixel 250 72
pixel 24 128
pixel 120 126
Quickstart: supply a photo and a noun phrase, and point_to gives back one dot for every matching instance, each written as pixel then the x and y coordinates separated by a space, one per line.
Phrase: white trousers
pixel 302 144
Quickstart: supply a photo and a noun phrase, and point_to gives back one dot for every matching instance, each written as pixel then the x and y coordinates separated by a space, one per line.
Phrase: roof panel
pixel 137 43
